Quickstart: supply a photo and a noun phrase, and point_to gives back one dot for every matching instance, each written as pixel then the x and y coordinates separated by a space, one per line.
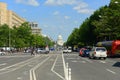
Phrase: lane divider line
pixel 18 65
pixel 111 71
pixel 32 71
pixel 52 69
pixel 65 69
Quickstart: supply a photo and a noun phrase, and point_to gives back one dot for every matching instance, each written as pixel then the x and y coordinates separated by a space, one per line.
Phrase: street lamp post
pixel 9 44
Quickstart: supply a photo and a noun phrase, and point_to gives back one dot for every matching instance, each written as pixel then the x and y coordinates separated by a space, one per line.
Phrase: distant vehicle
pixel 42 50
pixel 2 53
pixel 113 47
pixel 52 49
pixel 7 48
pixel 81 51
pixel 67 50
pixel 27 51
pixel 98 52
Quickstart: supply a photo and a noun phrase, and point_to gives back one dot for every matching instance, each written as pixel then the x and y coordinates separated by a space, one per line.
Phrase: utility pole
pixel 9 39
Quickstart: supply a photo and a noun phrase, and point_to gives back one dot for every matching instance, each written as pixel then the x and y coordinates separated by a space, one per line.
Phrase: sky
pixel 56 17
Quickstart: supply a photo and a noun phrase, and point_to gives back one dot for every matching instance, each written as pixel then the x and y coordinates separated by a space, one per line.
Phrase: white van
pixel 98 52
pixel 67 50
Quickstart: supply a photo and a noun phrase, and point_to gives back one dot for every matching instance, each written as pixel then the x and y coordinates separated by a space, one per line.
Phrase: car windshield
pixel 100 49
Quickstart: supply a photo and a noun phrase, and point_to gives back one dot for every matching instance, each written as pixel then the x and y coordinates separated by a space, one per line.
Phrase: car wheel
pixel 104 58
pixel 90 57
pixel 99 57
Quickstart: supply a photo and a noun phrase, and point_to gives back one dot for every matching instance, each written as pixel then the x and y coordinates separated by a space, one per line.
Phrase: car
pixel 81 51
pixel 42 50
pixel 67 50
pixel 2 53
pixel 86 53
pixel 27 51
pixel 98 52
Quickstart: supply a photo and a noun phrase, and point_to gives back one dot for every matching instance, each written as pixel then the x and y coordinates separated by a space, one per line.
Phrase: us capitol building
pixel 59 42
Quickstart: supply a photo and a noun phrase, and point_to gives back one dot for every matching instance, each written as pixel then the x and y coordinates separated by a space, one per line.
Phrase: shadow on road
pixel 117 64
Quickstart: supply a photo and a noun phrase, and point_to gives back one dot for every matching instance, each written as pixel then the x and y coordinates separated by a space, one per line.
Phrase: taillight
pixel 94 52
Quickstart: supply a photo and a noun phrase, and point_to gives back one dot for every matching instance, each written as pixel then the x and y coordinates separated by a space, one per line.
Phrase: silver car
pixel 42 50
pixel 2 53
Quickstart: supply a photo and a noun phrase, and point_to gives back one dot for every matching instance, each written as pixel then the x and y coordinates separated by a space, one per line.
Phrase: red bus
pixel 113 47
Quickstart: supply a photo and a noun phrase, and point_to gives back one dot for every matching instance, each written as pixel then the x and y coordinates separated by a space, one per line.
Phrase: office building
pixel 35 28
pixel 9 17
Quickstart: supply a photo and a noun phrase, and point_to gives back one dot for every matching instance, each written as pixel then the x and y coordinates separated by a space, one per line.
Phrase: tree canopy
pixel 21 37
pixel 104 24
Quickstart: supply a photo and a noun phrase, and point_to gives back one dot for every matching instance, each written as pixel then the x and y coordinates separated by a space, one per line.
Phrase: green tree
pixel 4 35
pixel 108 25
pixel 22 35
pixel 73 38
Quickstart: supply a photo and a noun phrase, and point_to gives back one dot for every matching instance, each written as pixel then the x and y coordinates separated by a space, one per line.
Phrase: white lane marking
pixel 86 59
pixel 32 71
pixel 111 71
pixel 30 65
pixel 102 62
pixel 70 58
pixel 3 64
pixel 52 69
pixel 74 61
pixel 19 78
pixel 65 69
pixel 21 64
pixel 82 61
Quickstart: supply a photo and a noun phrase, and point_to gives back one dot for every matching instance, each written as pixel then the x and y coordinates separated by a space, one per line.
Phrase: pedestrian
pixel 32 51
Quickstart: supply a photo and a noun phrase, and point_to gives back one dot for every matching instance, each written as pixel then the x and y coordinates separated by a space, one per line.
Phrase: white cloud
pixel 56 13
pixel 86 11
pixel 83 8
pixel 66 17
pixel 28 2
pixel 79 6
pixel 60 2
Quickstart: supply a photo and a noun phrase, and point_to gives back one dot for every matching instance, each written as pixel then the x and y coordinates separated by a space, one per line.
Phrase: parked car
pixel 98 52
pixel 86 53
pixel 2 53
pixel 81 51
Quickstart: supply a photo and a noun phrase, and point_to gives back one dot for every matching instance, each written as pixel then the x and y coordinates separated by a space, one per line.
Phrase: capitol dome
pixel 59 37
pixel 60 40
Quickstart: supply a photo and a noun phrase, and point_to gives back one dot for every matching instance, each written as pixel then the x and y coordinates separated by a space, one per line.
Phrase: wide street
pixel 57 66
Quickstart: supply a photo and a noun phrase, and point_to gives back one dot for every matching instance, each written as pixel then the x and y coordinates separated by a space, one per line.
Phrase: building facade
pixel 35 28
pixel 9 17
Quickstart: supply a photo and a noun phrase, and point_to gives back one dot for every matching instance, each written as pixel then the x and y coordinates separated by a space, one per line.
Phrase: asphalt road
pixel 89 69
pixel 35 67
pixel 57 66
